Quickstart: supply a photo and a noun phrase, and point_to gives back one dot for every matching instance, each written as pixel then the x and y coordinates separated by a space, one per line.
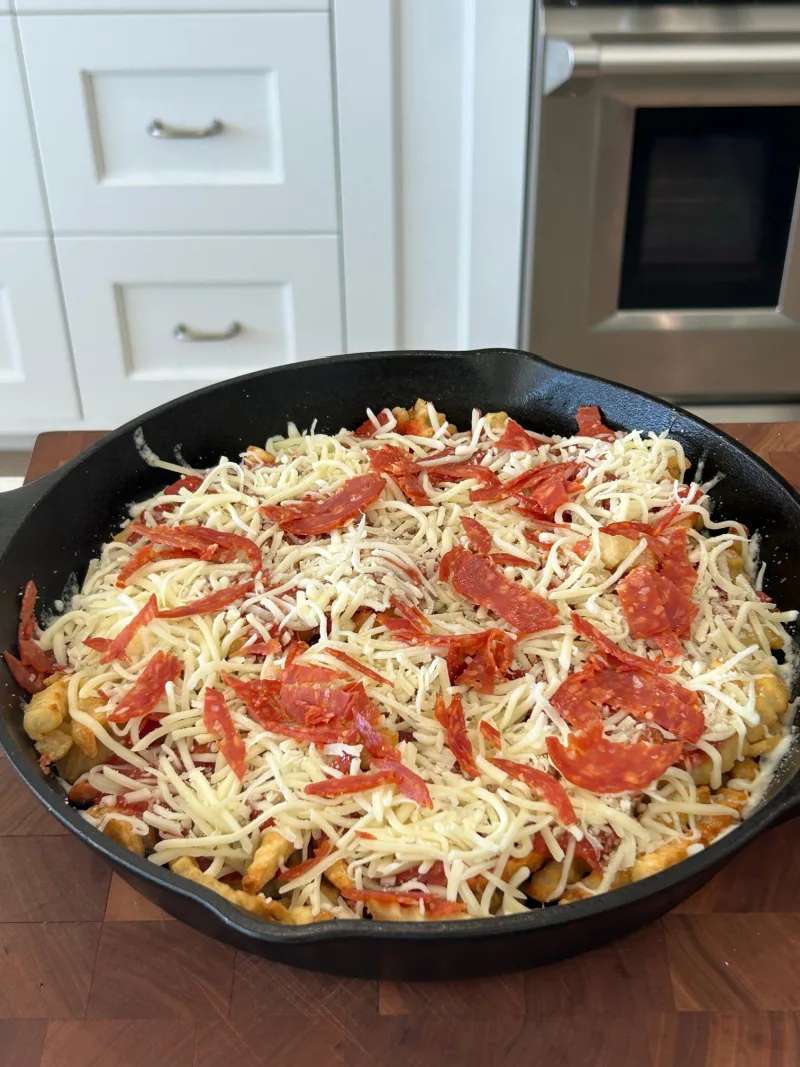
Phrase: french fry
pixel 270 854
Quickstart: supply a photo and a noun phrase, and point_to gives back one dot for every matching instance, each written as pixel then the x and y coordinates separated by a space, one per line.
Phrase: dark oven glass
pixel 710 206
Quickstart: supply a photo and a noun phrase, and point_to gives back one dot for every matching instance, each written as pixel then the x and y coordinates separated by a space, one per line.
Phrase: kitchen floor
pixel 14 464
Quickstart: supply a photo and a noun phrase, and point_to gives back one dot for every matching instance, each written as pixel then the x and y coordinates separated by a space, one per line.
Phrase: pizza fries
pixel 411 673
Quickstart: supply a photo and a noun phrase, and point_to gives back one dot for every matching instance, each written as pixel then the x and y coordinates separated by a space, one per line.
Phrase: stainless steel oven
pixel 665 158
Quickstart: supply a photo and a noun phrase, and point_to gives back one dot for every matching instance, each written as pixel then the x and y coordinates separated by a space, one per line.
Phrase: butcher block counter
pixel 93 975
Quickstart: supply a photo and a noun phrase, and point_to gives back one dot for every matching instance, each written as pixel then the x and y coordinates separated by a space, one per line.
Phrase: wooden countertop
pixel 92 975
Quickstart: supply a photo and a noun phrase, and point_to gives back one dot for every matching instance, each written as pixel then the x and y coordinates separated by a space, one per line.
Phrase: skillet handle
pixel 16 505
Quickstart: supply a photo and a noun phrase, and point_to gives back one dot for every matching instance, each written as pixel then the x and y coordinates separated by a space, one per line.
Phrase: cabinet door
pixel 37 387
pixel 154 317
pixel 21 208
pixel 196 123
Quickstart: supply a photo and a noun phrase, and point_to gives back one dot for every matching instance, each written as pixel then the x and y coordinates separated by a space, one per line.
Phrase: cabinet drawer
pixel 184 123
pixel 37 387
pixel 152 318
pixel 21 208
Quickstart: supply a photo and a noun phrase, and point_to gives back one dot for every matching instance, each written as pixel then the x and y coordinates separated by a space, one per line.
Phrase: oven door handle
pixel 571 65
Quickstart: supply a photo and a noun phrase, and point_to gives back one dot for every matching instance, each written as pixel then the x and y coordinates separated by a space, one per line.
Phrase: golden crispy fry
pixel 55 745
pixel 46 710
pixel 762 747
pixel 84 739
pixel 254 903
pixel 82 794
pixel 273 850
pixel 533 861
pixel 653 862
pixel 121 831
pixel 496 420
pixel 711 826
pixel 76 762
pixel 337 875
pixel 544 882
pixel 417 420
pixel 392 912
pixel 772 697
pixel 676 466
pixel 746 769
pixel 728 751
pixel 614 548
pixel 257 457
pixel 583 889
pixel 735 560
pixel 124 534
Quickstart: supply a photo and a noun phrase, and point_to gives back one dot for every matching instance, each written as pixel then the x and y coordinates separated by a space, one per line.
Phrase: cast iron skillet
pixel 51 529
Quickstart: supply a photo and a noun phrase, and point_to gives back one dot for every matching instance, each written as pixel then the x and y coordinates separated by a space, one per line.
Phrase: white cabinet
pixel 154 317
pixel 159 6
pixel 37 389
pixel 184 123
pixel 21 209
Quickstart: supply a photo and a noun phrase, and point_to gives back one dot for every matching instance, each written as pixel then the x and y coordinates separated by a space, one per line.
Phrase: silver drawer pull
pixel 182 332
pixel 157 128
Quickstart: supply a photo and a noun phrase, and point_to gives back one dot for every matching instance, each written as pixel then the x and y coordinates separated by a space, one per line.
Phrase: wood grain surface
pixel 93 975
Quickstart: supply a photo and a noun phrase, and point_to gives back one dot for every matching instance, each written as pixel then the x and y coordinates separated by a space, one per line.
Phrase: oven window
pixel 710 206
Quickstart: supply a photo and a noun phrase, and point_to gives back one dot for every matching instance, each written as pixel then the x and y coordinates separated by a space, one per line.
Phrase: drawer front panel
pixel 202 123
pixel 153 318
pixel 37 386
pixel 21 208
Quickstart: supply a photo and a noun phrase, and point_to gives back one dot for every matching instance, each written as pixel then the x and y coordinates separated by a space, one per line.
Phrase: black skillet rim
pixel 769 812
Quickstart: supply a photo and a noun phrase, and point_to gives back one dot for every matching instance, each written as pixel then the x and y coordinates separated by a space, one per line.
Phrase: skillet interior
pixel 86 500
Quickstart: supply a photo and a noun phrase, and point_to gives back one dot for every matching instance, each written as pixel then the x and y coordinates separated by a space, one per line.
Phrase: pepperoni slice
pixel 190 482
pixel 316 735
pixel 640 595
pixel 549 496
pixel 148 689
pixel 260 697
pixel 322 516
pixel 433 904
pixel 216 601
pixel 350 783
pixel 590 761
pixel 611 648
pixel 492 654
pixel 478 536
pixel 590 423
pixel 451 716
pixel 149 554
pixel 30 653
pixel 649 698
pixel 411 614
pixel 459 472
pixel 538 476
pixel 508 559
pixel 366 718
pixel 491 734
pixel 260 648
pixel 117 648
pixel 29 680
pixel 474 578
pixel 680 609
pixel 391 460
pixel 217 720
pixel 635 531
pixel 675 565
pixel 229 544
pixel 356 666
pixel 665 519
pixel 543 785
pixel 183 536
pixel 517 439
pixel 325 849
pixel 368 428
pixel 408 782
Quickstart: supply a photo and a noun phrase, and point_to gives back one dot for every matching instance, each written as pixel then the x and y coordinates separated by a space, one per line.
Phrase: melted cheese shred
pixel 174 782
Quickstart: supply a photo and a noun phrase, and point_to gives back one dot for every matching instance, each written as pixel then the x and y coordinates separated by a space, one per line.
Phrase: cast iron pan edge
pixel 408 950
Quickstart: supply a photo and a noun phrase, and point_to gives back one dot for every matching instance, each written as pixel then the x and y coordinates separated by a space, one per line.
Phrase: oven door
pixel 664 243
